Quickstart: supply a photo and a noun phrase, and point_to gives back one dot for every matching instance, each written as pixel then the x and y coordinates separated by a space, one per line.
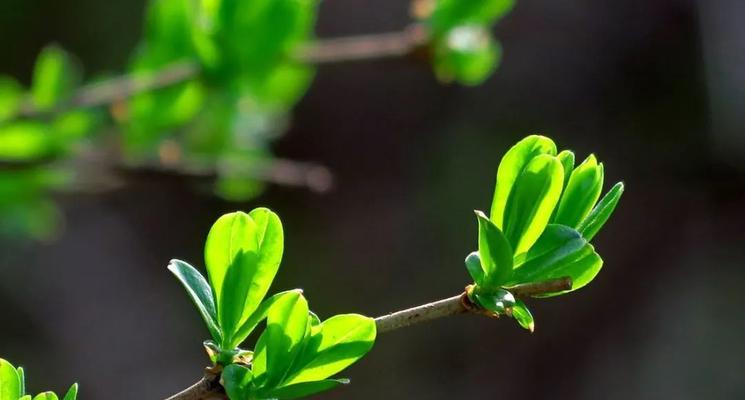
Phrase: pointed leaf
pixel 333 346
pixel 534 196
pixel 581 193
pixel 46 396
pixel 10 384
pixel 72 394
pixel 21 381
pixel 510 168
pixel 200 293
pixel 237 380
pixel 560 252
pixel 566 158
pixel 522 315
pixel 306 388
pixel 591 225
pixel 495 253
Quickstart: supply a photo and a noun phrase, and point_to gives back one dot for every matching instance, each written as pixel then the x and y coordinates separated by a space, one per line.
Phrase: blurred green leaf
pixel 581 193
pixel 510 168
pixel 448 14
pixel 467 54
pixel 306 388
pixel 54 78
pixel 560 252
pixel 74 125
pixel 333 345
pixel 10 384
pixel 200 293
pixel 522 315
pixel 535 193
pixel 495 253
pixel 11 97
pixel 25 141
pixel 591 225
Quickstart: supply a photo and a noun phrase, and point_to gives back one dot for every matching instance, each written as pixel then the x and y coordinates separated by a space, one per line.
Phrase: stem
pixel 460 304
pixel 209 388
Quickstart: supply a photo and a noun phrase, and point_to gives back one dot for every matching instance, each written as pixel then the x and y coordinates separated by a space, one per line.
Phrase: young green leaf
pixel 54 78
pixel 581 193
pixel 590 226
pixel 535 194
pixel 10 384
pixel 495 253
pixel 232 302
pixel 495 301
pixel 25 140
pixel 304 389
pixel 200 293
pixel 11 96
pixel 560 252
pixel 566 157
pixel 286 325
pixel 510 168
pixel 522 315
pixel 473 265
pixel 466 54
pixel 21 381
pixel 46 396
pixel 259 315
pixel 237 381
pixel 72 393
pixel 26 397
pixel 332 346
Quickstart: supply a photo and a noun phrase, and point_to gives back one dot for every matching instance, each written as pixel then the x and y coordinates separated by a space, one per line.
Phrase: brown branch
pixel 460 304
pixel 207 388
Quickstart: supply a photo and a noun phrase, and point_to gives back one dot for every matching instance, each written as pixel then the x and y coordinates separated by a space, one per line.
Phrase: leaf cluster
pixel 296 353
pixel 544 213
pixel 13 385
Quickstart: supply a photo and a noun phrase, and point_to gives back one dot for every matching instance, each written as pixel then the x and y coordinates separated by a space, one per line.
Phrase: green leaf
pixel 26 397
pixel 75 125
pixel 260 314
pixel 581 193
pixel 560 252
pixel 450 13
pixel 510 168
pixel 237 381
pixel 473 265
pixel 287 322
pixel 72 394
pixel 200 293
pixel 21 380
pixel 522 315
pixel 467 54
pixel 25 141
pixel 306 388
pixel 10 384
pixel 238 281
pixel 333 346
pixel 46 396
pixel 11 97
pixel 495 253
pixel 566 157
pixel 495 301
pixel 591 225
pixel 535 193
pixel 54 78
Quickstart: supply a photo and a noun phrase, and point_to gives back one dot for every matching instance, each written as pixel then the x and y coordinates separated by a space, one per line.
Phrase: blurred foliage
pixel 208 87
pixel 13 385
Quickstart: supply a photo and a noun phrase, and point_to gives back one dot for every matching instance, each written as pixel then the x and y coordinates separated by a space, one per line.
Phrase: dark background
pixel 656 88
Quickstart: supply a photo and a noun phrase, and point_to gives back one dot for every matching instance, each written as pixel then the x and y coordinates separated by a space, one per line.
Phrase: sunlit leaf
pixel 560 252
pixel 581 193
pixel 46 396
pixel 304 389
pixel 333 345
pixel 522 315
pixel 511 166
pixel 259 315
pixel 591 225
pixel 286 325
pixel 200 293
pixel 72 394
pixel 467 54
pixel 566 157
pixel 496 300
pixel 25 140
pixel 54 78
pixel 535 193
pixel 10 384
pixel 495 253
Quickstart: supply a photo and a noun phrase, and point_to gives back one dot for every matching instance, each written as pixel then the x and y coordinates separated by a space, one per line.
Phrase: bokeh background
pixel 656 88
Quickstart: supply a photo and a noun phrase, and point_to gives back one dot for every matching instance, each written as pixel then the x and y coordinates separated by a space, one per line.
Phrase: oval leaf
pixel 232 233
pixel 522 315
pixel 510 168
pixel 286 325
pixel 10 383
pixel 495 253
pixel 581 193
pixel 259 315
pixel 534 196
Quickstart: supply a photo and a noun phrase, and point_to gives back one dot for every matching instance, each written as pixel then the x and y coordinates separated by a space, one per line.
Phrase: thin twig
pixel 460 304
pixel 207 388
